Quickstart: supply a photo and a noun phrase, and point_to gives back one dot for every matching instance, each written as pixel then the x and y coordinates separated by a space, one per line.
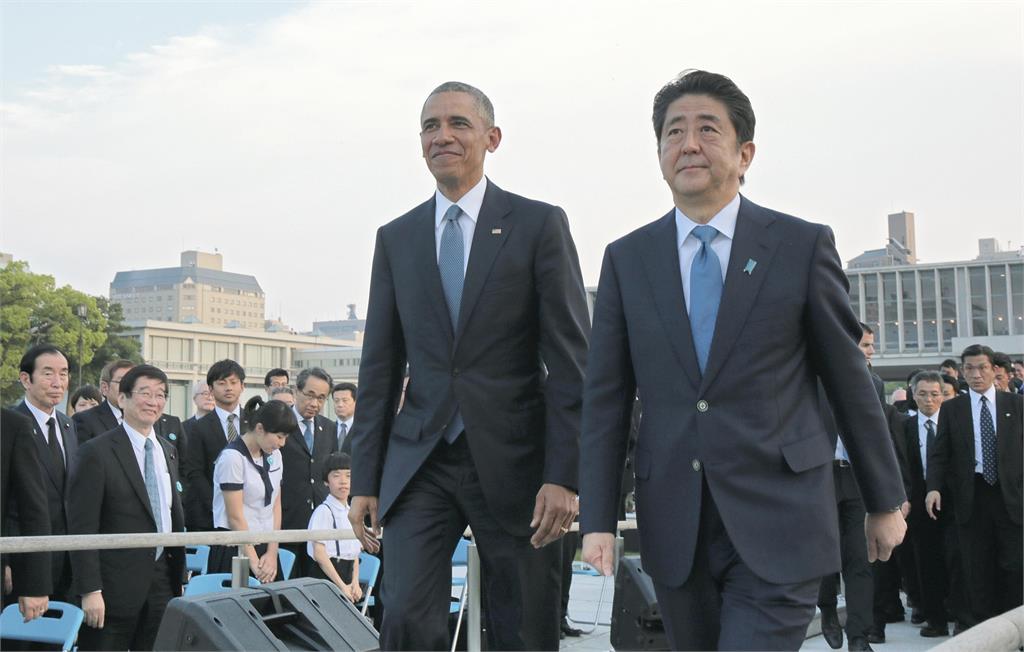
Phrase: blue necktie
pixel 308 434
pixel 988 445
pixel 451 263
pixel 705 292
pixel 151 487
pixel 342 432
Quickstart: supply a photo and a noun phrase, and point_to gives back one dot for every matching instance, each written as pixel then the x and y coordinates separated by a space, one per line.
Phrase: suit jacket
pixel 22 488
pixel 108 496
pixel 750 426
pixel 300 496
pixel 94 422
pixel 170 428
pixel 56 499
pixel 951 461
pixel 205 442
pixel 915 470
pixel 513 364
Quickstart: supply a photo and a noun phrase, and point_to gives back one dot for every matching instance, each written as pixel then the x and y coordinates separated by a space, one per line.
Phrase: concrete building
pixel 341 363
pixel 198 291
pixel 350 328
pixel 900 247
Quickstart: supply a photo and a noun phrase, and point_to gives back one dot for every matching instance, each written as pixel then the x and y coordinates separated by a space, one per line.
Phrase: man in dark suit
pixel 21 485
pixel 208 438
pixel 44 375
pixel 127 481
pixel 303 456
pixel 724 315
pixel 107 415
pixel 479 291
pixel 344 395
pixel 975 466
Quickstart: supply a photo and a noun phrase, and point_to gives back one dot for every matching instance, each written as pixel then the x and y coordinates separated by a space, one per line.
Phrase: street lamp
pixel 82 311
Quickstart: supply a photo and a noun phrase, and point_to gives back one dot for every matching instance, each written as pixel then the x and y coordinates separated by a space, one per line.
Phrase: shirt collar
pixel 990 395
pixel 222 414
pixel 301 419
pixel 137 438
pixel 470 203
pixel 115 410
pixel 724 221
pixel 334 503
pixel 40 416
pixel 921 418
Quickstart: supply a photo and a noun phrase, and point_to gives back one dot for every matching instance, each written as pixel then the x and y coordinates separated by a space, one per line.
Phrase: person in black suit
pixel 208 438
pixel 275 378
pixel 951 367
pixel 127 481
pixel 344 395
pixel 21 484
pixel 303 456
pixel 44 375
pixel 479 291
pixel 724 315
pixel 107 415
pixel 975 466
pixel 202 400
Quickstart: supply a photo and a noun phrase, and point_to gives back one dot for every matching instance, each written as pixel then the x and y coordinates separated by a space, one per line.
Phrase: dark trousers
pixel 957 604
pixel 925 537
pixel 132 631
pixel 853 548
pixel 570 542
pixel 519 584
pixel 723 605
pixel 885 578
pixel 991 546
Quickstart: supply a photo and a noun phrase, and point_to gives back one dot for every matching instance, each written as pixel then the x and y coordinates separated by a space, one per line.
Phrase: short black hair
pixel 128 381
pixel 275 416
pixel 336 462
pixel 223 369
pixel 978 349
pixel 952 382
pixel 90 392
pixel 273 373
pixel 950 363
pixel 340 387
pixel 865 329
pixel 912 374
pixel 1000 359
pixel 315 372
pixel 28 361
pixel 483 103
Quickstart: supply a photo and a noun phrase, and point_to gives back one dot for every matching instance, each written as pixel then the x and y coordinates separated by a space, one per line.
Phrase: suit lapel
pixel 913 439
pixel 966 419
pixel 662 269
pixel 485 248
pixel 752 241
pixel 107 418
pixel 424 245
pixel 42 448
pixel 125 454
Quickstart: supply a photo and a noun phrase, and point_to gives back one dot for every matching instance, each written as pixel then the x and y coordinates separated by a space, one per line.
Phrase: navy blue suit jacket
pixel 751 426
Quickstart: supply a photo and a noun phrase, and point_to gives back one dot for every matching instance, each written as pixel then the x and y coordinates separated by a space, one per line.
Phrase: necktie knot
pixel 149 444
pixel 452 214
pixel 705 233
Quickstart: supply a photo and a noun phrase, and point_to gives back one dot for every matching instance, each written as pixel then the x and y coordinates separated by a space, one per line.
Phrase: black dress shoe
pixel 831 629
pixel 917 616
pixel 875 634
pixel 569 630
pixel 895 616
pixel 960 628
pixel 859 643
pixel 934 631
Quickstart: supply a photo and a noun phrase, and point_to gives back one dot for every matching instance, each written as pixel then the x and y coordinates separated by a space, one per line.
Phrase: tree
pixel 115 347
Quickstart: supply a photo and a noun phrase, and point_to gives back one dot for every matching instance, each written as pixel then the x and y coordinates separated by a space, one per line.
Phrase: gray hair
pixel 285 389
pixel 483 104
pixel 926 376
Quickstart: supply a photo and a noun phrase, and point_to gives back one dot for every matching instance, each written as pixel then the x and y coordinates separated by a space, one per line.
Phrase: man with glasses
pixel 303 455
pixel 126 482
pixel 975 468
pixel 107 415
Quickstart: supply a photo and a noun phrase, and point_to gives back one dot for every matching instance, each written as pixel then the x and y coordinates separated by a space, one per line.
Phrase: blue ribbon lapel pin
pixel 748 269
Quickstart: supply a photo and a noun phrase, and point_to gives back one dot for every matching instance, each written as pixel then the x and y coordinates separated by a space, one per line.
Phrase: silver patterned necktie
pixel 989 469
pixel 451 264
pixel 232 430
pixel 151 486
pixel 705 292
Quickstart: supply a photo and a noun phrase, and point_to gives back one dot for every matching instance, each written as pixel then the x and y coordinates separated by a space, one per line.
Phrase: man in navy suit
pixel 479 292
pixel 723 315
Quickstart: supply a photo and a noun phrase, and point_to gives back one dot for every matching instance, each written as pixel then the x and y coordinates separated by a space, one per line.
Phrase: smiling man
pixel 722 315
pixel 479 292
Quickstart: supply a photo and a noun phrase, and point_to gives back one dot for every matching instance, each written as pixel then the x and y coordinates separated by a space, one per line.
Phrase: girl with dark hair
pixel 84 398
pixel 247 486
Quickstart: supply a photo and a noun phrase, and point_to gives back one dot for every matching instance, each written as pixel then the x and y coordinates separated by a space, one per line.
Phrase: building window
pixel 871 301
pixel 855 294
pixel 263 357
pixel 1017 298
pixel 164 350
pixel 1000 310
pixel 947 299
pixel 908 287
pixel 929 313
pixel 212 351
pixel 979 306
pixel 890 314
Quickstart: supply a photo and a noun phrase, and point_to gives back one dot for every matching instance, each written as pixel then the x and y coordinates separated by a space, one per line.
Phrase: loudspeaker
pixel 300 614
pixel 636 621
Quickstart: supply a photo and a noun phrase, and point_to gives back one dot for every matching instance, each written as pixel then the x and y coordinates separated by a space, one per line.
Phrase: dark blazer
pixel 750 426
pixel 951 461
pixel 56 499
pixel 108 496
pixel 205 442
pixel 299 496
pixel 170 428
pixel 513 364
pixel 94 422
pixel 915 471
pixel 22 490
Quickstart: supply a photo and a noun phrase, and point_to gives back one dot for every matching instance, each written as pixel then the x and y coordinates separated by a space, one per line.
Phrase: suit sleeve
pixel 607 402
pixel 31 571
pixel 564 328
pixel 381 372
pixel 833 333
pixel 85 501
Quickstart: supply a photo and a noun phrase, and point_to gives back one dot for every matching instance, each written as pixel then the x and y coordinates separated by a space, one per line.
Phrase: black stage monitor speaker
pixel 301 614
pixel 636 621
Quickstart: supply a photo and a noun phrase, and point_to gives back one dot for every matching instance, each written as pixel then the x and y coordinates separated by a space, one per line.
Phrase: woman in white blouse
pixel 247 486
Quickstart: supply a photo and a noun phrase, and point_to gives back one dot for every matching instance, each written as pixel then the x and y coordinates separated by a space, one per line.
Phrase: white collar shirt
pixel 41 418
pixel 222 414
pixel 116 411
pixel 688 245
pixel 470 203
pixel 922 435
pixel 163 478
pixel 990 397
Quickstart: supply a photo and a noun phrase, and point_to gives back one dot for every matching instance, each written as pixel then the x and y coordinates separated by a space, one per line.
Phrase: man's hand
pixel 94 608
pixel 905 509
pixel 884 531
pixel 933 504
pixel 599 551
pixel 8 582
pixel 266 570
pixel 32 608
pixel 553 513
pixel 361 506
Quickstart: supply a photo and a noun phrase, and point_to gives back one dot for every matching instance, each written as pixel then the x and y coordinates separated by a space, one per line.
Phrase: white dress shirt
pixel 329 515
pixel 725 222
pixel 990 397
pixel 470 204
pixel 116 411
pixel 41 418
pixel 222 414
pixel 163 477
pixel 348 428
pixel 922 435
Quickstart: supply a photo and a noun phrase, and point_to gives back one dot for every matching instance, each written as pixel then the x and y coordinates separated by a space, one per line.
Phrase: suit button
pixel 455 371
pixel 696 465
pixel 311 481
pixel 702 406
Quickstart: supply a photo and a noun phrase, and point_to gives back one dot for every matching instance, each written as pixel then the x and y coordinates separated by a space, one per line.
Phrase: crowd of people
pixel 721 355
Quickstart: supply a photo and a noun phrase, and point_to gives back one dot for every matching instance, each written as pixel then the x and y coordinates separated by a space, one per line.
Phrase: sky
pixel 283 134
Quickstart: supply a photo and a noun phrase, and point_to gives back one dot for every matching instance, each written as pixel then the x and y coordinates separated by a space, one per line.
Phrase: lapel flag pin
pixel 748 269
pixel 495 231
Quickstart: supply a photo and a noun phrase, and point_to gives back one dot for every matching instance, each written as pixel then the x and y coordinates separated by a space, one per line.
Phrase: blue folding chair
pixel 196 558
pixel 58 626
pixel 213 583
pixel 285 560
pixel 369 568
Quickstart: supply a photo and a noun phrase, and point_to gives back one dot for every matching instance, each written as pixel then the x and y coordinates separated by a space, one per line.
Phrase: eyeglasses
pixel 147 395
pixel 319 398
